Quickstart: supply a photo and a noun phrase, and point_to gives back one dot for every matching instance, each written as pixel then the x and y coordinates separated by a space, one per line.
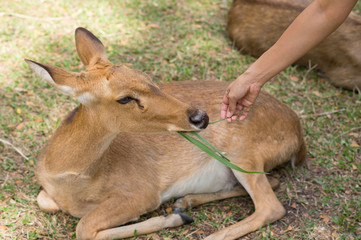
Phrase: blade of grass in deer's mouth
pixel 208 148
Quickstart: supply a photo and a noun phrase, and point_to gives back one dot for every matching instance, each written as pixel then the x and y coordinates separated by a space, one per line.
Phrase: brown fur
pixel 103 166
pixel 255 25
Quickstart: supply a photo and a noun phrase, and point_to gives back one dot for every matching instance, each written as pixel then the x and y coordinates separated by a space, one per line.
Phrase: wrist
pixel 257 78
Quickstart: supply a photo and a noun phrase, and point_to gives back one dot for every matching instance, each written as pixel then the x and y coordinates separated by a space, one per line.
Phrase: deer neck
pixel 78 144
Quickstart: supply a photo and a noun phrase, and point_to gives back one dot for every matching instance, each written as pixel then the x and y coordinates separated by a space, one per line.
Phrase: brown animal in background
pixel 103 165
pixel 255 25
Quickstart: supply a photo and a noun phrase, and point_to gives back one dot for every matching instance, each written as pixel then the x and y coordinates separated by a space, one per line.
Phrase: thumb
pixel 232 102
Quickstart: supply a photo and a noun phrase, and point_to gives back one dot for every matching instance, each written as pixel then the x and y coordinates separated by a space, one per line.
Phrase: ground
pixel 171 41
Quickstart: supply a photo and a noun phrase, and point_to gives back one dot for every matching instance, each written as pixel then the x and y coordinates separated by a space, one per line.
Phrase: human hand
pixel 240 94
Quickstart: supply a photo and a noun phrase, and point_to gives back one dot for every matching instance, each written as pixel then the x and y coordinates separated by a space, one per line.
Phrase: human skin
pixel 314 24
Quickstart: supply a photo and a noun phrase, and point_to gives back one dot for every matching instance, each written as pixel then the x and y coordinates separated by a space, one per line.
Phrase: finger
pixel 231 106
pixel 224 109
pixel 243 115
pixel 239 108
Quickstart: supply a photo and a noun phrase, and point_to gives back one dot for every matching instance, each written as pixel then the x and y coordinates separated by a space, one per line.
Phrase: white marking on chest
pixel 212 177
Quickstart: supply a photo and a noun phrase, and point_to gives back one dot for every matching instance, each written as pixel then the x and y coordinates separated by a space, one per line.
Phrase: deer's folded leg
pixel 112 213
pixel 46 203
pixel 148 226
pixel 268 207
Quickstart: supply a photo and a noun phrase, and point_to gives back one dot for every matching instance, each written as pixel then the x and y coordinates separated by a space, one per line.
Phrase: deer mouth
pixel 198 119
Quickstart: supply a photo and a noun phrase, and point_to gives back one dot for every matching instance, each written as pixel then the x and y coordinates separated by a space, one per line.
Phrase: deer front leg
pixel 46 203
pixel 112 213
pixel 268 208
pixel 154 224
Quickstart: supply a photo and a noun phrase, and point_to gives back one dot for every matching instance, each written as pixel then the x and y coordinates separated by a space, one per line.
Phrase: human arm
pixel 315 23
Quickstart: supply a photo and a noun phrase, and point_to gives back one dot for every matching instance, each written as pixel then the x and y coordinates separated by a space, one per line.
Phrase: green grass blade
pixel 210 145
pixel 213 153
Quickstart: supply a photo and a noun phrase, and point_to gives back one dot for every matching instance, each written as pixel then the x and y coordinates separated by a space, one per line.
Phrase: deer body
pixel 255 25
pixel 116 157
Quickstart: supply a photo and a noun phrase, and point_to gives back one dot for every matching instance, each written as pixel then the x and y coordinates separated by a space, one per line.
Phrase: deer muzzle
pixel 198 118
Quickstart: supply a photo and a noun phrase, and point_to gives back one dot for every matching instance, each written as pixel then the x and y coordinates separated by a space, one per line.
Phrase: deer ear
pixel 90 49
pixel 59 78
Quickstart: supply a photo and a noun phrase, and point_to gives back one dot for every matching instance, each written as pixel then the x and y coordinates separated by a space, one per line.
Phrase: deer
pixel 255 25
pixel 117 155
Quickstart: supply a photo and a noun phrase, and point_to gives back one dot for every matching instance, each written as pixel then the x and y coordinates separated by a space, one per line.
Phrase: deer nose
pixel 199 119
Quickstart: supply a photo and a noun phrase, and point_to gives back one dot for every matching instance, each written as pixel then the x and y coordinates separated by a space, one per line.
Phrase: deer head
pixel 120 98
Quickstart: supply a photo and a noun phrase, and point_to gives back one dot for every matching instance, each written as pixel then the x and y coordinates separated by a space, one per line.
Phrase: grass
pixel 171 41
pixel 208 148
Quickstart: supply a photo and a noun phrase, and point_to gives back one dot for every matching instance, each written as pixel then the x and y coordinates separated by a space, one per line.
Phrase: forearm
pixel 314 24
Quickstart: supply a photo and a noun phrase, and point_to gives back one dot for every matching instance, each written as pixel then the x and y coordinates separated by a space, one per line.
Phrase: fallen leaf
pixel 294 78
pixel 3 229
pixel 294 205
pixel 153 25
pixel 317 93
pixel 299 104
pixel 289 228
pixel 273 233
pixel 325 218
pixel 323 192
pixel 185 232
pixel 38 120
pixel 20 126
pixel 354 144
pixel 354 134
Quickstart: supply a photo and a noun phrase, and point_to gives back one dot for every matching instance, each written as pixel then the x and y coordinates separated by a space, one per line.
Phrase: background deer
pixel 103 165
pixel 255 25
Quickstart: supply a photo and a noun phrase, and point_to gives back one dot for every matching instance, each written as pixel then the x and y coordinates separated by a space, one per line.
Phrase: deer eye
pixel 125 100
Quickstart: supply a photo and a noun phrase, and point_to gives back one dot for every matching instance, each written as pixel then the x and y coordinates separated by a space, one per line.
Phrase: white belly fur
pixel 211 178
